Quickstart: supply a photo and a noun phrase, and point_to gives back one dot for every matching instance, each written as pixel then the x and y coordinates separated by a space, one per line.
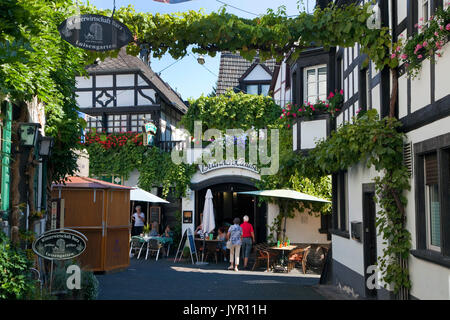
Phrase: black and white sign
pixel 60 244
pixel 95 32
pixel 241 164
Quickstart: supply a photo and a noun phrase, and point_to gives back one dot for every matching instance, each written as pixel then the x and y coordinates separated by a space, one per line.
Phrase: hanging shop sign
pixel 241 164
pixel 95 32
pixel 60 244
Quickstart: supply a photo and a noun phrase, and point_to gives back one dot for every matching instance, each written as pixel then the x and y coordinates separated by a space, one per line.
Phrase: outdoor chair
pixel 298 255
pixel 263 253
pixel 136 243
pixel 153 245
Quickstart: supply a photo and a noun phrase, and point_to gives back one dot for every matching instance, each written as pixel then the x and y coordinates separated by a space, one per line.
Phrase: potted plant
pixel 146 230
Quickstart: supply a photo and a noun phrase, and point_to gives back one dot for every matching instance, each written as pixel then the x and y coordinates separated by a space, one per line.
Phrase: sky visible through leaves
pixel 186 76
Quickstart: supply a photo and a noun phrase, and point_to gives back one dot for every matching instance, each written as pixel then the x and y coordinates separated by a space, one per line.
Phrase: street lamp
pixel 29 134
pixel 201 59
pixel 45 146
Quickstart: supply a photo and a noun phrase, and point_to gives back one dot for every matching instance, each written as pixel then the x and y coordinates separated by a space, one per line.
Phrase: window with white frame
pixel 315 83
pixel 425 10
pixel 117 123
pixel 94 123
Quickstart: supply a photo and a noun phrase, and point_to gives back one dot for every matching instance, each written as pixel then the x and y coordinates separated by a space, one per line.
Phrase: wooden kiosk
pixel 100 210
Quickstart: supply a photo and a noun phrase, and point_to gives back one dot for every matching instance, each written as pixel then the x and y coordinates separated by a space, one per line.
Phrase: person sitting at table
pixel 222 245
pixel 199 231
pixel 167 232
pixel 154 231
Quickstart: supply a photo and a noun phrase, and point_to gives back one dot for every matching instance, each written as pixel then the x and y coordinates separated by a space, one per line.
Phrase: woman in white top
pixel 138 218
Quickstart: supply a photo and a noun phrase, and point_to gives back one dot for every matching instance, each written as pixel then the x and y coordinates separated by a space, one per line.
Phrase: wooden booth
pixel 100 210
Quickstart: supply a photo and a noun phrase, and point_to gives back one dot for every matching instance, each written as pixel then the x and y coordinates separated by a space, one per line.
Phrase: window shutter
pixel 431 169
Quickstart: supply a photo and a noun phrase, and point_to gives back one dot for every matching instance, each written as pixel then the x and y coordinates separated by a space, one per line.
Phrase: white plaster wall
pixel 402 7
pixel 442 78
pixel 125 80
pixel 82 163
pixel 403 96
pixel 125 98
pixel 294 136
pixel 350 252
pixel 376 102
pixel 303 228
pixel 132 181
pixel 429 280
pixel 84 99
pixel 199 177
pixel 144 101
pixel 420 88
pixel 188 203
pixel 104 81
pixel 83 82
pixel 311 132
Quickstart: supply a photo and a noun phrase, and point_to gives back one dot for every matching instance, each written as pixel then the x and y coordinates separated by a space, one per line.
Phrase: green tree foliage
pixel 45 67
pixel 231 111
pixel 15 277
pixel 379 144
pixel 272 34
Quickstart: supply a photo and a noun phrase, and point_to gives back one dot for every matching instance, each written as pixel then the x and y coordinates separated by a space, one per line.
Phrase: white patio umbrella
pixel 287 195
pixel 209 222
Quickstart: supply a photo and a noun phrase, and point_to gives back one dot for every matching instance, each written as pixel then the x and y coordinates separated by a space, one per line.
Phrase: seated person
pixel 222 245
pixel 199 232
pixel 154 231
pixel 167 233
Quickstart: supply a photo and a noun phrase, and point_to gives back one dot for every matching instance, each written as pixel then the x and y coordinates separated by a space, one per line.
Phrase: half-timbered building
pixel 120 95
pixel 423 107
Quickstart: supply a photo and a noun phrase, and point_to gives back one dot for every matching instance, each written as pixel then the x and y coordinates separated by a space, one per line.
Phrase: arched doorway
pixel 228 203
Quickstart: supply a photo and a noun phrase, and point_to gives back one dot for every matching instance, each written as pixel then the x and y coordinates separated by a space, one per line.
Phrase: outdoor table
pixel 162 240
pixel 283 249
pixel 200 241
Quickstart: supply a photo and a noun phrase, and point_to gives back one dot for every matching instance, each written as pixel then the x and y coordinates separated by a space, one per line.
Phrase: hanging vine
pixel 378 143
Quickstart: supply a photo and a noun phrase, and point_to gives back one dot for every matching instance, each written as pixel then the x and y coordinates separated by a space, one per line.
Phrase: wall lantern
pixel 306 132
pixel 29 134
pixel 45 146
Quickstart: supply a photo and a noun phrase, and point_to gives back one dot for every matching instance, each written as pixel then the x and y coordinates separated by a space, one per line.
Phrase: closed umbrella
pixel 209 222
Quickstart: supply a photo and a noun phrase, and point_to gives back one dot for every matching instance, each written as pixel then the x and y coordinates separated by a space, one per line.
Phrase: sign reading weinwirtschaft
pixel 60 244
pixel 95 32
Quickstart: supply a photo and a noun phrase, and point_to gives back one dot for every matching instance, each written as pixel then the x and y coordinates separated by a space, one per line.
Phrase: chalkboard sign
pixel 191 241
pixel 155 214
pixel 187 235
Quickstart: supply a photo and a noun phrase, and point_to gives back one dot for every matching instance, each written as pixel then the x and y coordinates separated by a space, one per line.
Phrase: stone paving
pixel 166 280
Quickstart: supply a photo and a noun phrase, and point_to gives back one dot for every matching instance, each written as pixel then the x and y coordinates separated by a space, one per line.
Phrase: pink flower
pixel 404 56
pixel 294 115
pixel 288 126
pixel 331 95
pixel 327 106
pixel 416 25
pixel 441 27
pixel 420 56
pixel 393 56
pixel 436 33
pixel 447 27
pixel 288 113
pixel 341 92
pixel 313 109
pixel 397 49
pixel 439 55
pixel 281 117
pixel 425 43
pixel 421 19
